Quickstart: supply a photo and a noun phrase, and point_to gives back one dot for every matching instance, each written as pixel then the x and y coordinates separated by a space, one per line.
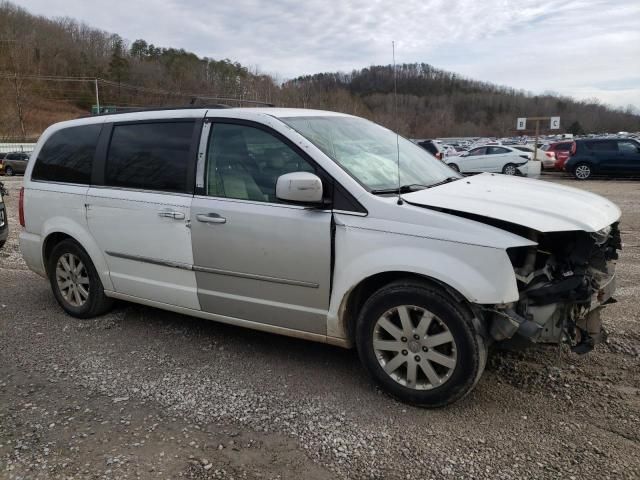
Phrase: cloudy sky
pixel 580 48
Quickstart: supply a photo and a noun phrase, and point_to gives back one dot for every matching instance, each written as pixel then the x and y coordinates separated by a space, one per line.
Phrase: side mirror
pixel 299 187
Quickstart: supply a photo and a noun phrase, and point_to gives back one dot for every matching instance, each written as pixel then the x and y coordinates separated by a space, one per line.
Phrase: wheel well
pixel 367 287
pixel 50 242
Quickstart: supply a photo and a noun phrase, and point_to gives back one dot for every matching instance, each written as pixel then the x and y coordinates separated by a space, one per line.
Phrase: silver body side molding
pixel 196 268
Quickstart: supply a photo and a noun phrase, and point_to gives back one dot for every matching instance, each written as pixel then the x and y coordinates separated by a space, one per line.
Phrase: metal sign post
pixel 522 125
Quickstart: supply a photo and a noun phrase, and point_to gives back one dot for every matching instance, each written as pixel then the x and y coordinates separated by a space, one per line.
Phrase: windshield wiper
pixel 446 180
pixel 413 187
pixel 403 189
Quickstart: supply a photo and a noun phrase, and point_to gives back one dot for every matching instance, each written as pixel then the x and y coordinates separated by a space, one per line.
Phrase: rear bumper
pixel 31 249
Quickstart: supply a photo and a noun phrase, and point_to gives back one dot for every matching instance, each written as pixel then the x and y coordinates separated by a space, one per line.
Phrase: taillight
pixel 439 155
pixel 21 207
pixel 550 154
pixel 574 147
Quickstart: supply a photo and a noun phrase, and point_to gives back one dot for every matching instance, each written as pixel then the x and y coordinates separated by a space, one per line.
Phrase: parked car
pixel 433 148
pixel 495 159
pixel 608 156
pixel 299 222
pixel 4 219
pixel 14 163
pixel 560 151
pixel 448 150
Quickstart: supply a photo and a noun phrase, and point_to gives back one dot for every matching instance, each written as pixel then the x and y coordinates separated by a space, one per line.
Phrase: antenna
pixel 395 113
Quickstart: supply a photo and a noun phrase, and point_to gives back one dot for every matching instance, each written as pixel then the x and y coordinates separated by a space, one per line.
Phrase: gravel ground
pixel 142 393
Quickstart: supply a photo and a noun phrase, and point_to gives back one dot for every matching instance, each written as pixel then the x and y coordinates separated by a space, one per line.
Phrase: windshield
pixel 369 152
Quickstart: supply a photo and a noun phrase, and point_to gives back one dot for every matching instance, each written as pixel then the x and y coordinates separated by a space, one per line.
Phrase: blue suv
pixel 604 156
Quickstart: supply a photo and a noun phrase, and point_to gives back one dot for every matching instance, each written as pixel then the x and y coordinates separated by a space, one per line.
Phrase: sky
pixel 580 48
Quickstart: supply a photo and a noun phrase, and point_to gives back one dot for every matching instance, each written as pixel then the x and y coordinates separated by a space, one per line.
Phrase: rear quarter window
pixel 602 145
pixel 67 156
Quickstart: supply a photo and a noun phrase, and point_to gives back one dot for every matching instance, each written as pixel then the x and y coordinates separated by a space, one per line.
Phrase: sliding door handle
pixel 210 218
pixel 171 214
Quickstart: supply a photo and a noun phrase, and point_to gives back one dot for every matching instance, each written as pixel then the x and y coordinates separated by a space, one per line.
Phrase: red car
pixel 561 151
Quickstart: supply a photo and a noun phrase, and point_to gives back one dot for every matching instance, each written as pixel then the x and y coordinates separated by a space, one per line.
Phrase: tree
pixel 118 65
pixel 575 128
pixel 139 49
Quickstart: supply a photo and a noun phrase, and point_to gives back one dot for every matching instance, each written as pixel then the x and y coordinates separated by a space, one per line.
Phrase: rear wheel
pixel 455 167
pixel 75 281
pixel 419 345
pixel 509 169
pixel 9 171
pixel 582 171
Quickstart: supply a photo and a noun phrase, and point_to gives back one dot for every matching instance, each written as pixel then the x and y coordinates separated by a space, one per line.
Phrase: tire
pixel 455 167
pixel 463 357
pixel 9 172
pixel 2 244
pixel 582 171
pixel 509 169
pixel 74 302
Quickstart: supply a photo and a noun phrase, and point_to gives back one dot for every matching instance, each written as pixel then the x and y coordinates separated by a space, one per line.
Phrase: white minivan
pixel 300 222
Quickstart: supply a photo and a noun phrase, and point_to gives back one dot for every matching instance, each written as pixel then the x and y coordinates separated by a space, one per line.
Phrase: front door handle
pixel 171 214
pixel 210 218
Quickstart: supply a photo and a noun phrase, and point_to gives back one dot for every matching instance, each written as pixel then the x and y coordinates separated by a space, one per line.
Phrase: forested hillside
pixel 49 69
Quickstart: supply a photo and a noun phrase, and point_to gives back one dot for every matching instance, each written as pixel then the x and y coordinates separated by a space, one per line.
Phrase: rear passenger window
pixel 68 155
pixel 602 146
pixel 150 156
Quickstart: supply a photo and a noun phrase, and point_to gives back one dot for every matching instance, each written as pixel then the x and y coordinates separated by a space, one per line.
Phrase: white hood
pixel 542 206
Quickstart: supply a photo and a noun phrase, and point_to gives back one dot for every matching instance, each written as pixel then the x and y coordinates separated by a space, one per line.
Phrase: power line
pixel 110 83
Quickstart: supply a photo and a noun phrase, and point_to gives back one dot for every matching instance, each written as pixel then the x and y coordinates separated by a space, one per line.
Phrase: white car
pixel 492 159
pixel 298 222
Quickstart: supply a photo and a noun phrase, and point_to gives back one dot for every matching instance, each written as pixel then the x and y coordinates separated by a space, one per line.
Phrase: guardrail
pixel 17 147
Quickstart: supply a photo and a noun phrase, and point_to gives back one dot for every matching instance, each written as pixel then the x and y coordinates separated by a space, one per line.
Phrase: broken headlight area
pixel 564 281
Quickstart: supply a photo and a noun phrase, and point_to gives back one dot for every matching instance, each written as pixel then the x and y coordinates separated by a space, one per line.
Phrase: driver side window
pixel 245 162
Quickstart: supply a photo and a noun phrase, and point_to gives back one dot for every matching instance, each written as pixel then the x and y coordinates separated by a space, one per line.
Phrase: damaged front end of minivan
pixel 563 281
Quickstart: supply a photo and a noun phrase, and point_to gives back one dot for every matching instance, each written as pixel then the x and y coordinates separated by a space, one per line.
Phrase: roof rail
pixel 123 110
pixel 192 106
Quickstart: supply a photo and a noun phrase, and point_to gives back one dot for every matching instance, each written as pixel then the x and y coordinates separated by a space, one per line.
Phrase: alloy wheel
pixel 509 170
pixel 414 347
pixel 583 172
pixel 73 280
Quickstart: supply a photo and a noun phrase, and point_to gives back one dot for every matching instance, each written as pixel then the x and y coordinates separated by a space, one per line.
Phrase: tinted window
pixel 602 145
pixel 68 155
pixel 478 151
pixel 429 147
pixel 563 147
pixel 497 150
pixel 245 163
pixel 628 146
pixel 150 156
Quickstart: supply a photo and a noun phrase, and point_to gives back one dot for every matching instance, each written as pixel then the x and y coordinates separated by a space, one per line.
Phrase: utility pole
pixel 97 96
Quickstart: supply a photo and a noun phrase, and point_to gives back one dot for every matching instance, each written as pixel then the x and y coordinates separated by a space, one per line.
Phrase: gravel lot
pixel 142 393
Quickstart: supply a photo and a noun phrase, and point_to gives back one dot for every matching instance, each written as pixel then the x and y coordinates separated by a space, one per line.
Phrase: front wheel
pixel 454 167
pixel 75 281
pixel 9 172
pixel 419 345
pixel 582 171
pixel 509 169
